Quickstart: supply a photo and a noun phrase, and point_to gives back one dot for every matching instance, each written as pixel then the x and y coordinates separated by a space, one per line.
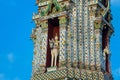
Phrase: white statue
pixel 105 51
pixel 54 45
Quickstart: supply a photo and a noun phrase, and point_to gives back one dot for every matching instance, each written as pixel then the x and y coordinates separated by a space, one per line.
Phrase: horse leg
pixel 56 54
pixel 52 58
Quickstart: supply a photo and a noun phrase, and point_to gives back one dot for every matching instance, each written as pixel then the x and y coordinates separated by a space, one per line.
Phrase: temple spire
pixel 72 40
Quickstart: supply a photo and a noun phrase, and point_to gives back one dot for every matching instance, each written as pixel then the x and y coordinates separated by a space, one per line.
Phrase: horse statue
pixel 54 45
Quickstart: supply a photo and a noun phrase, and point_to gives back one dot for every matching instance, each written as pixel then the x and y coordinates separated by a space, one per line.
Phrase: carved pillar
pixel 81 32
pixel 62 44
pixel 73 27
pixel 98 48
pixel 39 37
pixel 43 46
pixel 92 11
pixel 98 44
pixel 86 36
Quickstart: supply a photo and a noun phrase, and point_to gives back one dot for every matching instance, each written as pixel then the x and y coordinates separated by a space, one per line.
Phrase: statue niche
pixel 52 43
pixel 105 48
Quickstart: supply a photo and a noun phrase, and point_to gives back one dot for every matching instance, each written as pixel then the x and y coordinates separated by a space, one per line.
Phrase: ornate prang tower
pixel 72 40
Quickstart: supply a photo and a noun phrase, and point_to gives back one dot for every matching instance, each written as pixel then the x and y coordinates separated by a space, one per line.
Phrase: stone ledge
pixel 70 73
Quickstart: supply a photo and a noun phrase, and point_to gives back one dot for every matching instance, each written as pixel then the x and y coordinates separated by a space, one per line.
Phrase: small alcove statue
pixel 54 45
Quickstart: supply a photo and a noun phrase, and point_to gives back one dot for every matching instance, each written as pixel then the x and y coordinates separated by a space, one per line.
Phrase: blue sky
pixel 16 48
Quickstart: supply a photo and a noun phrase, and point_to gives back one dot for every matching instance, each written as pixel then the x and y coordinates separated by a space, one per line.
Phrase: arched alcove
pixel 53 29
pixel 105 40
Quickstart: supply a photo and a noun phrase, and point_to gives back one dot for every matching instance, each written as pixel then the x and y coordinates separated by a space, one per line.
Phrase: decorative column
pixel 43 47
pixel 36 39
pixel 74 33
pixel 92 12
pixel 86 35
pixel 81 32
pixel 62 44
pixel 69 36
pixel 39 38
pixel 98 44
